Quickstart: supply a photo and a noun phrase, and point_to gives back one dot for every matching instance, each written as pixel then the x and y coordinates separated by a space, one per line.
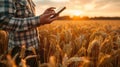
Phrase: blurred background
pixel 90 8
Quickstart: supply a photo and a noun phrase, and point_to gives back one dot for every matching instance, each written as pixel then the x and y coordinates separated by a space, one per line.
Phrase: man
pixel 17 17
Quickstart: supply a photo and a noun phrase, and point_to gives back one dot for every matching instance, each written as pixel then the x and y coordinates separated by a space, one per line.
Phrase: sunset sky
pixel 81 7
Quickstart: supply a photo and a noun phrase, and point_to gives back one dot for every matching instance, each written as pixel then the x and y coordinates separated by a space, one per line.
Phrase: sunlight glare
pixel 77 13
pixel 60 0
pixel 89 6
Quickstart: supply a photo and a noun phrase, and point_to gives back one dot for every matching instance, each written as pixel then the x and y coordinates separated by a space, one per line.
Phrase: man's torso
pixel 24 9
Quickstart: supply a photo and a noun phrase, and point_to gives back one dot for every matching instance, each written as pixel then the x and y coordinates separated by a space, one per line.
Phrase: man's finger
pixel 51 8
pixel 51 11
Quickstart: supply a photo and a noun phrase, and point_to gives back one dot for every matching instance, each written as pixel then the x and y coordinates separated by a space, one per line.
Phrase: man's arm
pixel 10 23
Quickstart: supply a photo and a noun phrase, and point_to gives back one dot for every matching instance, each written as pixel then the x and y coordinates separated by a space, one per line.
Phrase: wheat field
pixel 70 44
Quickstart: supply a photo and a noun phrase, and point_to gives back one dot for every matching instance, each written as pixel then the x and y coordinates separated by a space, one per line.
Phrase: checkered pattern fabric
pixel 17 17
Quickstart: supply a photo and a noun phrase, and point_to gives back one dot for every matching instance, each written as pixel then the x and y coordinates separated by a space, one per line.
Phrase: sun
pixel 77 12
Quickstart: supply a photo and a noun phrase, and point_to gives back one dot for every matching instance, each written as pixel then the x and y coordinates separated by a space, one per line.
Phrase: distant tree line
pixel 87 18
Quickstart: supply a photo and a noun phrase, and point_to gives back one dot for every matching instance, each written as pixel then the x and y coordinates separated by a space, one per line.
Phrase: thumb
pixel 52 19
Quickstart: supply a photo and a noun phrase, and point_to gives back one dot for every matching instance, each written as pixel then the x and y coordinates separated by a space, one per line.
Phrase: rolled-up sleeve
pixel 10 23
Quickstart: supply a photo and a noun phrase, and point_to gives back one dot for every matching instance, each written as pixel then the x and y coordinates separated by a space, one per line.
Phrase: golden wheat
pixel 71 44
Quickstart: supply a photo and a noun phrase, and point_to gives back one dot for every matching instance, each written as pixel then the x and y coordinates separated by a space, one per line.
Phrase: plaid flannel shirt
pixel 17 17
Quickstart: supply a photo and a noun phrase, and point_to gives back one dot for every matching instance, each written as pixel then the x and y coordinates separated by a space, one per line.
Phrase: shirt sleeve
pixel 10 23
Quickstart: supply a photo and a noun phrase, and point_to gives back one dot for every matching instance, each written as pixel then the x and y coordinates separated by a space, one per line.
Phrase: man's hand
pixel 45 18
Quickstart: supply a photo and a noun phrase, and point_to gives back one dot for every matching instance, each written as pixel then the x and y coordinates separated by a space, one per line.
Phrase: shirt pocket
pixel 21 5
pixel 21 9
